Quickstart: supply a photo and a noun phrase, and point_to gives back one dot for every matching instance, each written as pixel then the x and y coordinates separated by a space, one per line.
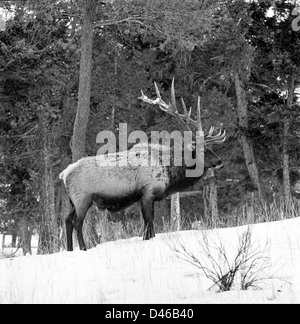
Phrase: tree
pixel 84 91
pixel 35 58
pixel 285 139
pixel 278 75
pixel 242 110
pixel 49 231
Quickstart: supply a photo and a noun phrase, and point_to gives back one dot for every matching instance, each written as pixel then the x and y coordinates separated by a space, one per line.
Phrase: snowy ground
pixel 144 272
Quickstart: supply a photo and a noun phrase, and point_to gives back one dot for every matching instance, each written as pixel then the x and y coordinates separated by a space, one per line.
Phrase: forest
pixel 72 68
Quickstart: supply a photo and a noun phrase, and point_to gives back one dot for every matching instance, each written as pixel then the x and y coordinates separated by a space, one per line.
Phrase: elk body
pixel 115 186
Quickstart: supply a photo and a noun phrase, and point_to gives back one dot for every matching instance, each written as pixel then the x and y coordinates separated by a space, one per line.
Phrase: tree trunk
pixel 48 231
pixel 25 236
pixel 84 92
pixel 285 153
pixel 210 199
pixel 286 165
pixel 83 108
pixel 242 109
pixel 3 241
pixel 175 212
pixel 63 204
pixel 62 211
pixel 206 213
pixel 14 236
pixel 213 197
pixel 162 210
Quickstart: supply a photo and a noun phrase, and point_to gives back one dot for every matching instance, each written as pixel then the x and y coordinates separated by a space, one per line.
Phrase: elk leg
pixel 69 227
pixel 78 226
pixel 148 216
pixel 81 213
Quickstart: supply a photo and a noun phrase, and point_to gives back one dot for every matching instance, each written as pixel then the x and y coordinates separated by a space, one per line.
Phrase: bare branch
pixel 135 20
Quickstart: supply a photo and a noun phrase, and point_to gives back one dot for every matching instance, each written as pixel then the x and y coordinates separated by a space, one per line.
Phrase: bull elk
pixel 117 187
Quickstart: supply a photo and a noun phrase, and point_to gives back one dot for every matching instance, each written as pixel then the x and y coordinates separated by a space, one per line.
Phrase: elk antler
pixel 184 119
pixel 215 139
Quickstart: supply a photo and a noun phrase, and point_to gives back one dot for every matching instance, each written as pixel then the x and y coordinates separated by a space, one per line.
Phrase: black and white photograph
pixel 149 154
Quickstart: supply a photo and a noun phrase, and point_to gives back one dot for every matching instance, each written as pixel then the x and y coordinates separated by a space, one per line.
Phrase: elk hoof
pixel 149 232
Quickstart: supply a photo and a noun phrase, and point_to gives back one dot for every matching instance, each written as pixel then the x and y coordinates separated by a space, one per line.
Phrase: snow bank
pixel 136 271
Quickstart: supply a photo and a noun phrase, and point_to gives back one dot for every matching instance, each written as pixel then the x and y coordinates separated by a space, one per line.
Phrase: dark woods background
pixel 242 58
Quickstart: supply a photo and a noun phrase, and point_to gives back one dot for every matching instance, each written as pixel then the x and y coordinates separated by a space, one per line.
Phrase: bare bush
pixel 243 268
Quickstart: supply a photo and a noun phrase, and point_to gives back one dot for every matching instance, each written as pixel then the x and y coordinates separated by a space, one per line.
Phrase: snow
pixel 144 272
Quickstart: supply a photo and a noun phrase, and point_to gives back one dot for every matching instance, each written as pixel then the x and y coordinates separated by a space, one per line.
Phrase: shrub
pixel 242 268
